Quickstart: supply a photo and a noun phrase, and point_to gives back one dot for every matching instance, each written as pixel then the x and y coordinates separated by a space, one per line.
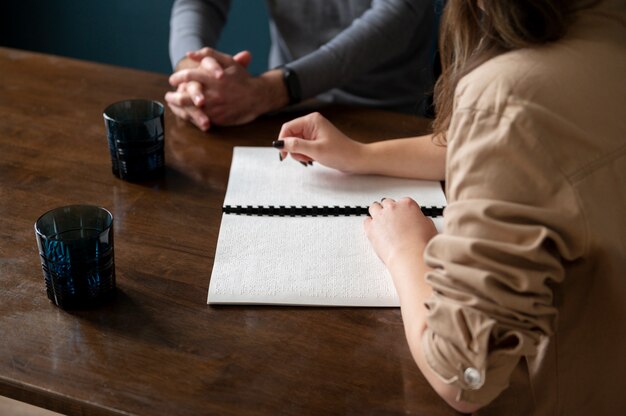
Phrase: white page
pixel 259 178
pixel 303 260
pixel 298 261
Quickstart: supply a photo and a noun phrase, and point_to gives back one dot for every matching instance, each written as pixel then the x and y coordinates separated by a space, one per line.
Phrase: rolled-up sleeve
pixel 497 263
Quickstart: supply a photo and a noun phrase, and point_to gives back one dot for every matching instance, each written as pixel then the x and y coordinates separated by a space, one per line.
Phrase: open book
pixel 294 235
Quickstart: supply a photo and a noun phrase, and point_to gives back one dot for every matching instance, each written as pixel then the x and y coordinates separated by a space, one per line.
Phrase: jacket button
pixel 472 377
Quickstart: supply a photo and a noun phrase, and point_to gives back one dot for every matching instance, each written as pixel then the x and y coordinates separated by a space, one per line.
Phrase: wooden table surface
pixel 158 348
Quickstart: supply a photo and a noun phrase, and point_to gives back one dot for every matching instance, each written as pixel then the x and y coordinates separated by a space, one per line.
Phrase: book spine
pixel 325 211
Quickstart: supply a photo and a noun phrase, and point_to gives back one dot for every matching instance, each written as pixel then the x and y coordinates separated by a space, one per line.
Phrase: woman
pixel 526 286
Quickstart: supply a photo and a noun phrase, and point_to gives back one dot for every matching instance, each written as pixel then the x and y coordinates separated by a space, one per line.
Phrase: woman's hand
pixel 398 229
pixel 314 138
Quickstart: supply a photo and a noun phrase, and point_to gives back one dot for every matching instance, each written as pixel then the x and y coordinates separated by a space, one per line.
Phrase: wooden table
pixel 159 349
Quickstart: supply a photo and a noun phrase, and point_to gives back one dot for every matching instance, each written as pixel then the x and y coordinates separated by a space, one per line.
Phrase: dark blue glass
pixel 135 131
pixel 76 252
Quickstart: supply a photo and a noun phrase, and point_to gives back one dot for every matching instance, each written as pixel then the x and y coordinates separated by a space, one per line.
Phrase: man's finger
pixel 198 118
pixel 179 112
pixel 194 91
pixel 200 53
pixel 179 99
pixel 213 67
pixel 187 75
pixel 243 58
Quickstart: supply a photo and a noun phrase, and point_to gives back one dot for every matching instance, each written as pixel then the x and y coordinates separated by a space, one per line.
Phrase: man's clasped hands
pixel 214 88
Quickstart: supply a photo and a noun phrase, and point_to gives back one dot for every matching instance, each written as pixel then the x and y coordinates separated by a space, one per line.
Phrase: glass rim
pixel 108 109
pixel 99 208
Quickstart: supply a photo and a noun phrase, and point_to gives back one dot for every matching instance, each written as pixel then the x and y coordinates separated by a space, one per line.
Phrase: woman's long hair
pixel 472 32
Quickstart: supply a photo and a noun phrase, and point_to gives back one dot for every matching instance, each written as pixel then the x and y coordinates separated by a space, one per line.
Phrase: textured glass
pixel 135 132
pixel 76 252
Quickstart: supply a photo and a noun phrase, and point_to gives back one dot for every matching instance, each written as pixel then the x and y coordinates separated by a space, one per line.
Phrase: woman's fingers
pixel 300 149
pixel 375 209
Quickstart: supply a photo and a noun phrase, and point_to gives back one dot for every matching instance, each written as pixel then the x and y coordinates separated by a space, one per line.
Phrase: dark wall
pixel 131 33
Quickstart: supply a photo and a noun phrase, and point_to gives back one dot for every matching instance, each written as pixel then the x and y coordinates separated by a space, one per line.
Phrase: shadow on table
pixel 125 316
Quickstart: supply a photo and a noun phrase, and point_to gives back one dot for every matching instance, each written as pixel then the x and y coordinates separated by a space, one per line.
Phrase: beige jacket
pixel 530 271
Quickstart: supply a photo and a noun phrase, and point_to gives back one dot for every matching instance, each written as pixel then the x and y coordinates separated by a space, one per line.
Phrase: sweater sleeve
pixel 195 24
pixel 511 222
pixel 377 36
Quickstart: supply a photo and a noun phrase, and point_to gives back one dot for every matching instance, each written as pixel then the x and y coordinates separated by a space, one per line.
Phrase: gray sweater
pixel 376 53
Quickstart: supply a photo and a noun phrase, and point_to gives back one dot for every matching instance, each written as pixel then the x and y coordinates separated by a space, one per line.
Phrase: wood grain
pixel 158 349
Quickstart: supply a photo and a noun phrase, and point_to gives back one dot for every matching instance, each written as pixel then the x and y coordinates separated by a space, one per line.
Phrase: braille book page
pixel 258 177
pixel 298 261
pixel 303 260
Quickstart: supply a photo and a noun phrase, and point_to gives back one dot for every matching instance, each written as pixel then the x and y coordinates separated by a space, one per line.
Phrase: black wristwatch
pixel 293 85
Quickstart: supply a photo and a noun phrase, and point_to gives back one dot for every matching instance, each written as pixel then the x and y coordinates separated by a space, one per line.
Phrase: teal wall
pixel 132 33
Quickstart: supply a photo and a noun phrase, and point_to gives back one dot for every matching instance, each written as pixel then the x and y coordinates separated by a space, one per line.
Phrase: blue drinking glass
pixel 76 251
pixel 135 131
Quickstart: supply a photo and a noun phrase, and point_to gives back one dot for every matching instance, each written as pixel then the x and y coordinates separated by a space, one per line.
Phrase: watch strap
pixel 293 85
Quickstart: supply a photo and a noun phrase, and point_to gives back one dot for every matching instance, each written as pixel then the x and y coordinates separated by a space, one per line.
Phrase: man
pixel 365 52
